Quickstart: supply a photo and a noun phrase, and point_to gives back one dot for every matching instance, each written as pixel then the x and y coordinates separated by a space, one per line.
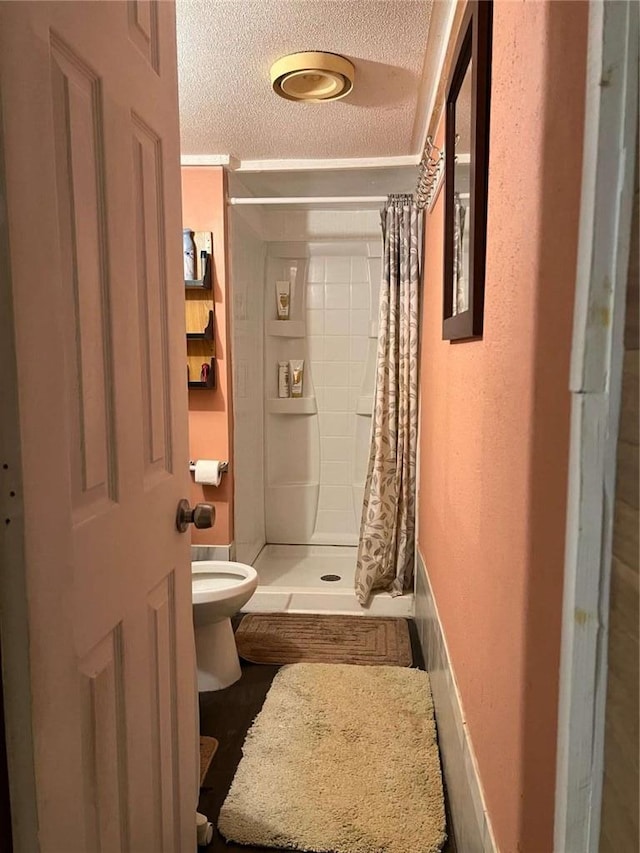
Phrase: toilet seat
pixel 211 582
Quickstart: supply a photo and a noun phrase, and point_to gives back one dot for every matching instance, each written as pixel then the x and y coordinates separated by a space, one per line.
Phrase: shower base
pixel 290 579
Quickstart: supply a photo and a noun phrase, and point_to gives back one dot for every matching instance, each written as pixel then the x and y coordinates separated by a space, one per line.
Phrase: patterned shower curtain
pixel 387 529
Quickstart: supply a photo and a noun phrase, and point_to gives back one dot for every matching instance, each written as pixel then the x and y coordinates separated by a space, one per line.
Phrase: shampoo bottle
pixel 296 369
pixel 283 379
pixel 283 299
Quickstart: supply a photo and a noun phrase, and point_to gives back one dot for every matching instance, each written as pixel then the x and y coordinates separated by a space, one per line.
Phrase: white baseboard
pixel 471 824
pixel 213 552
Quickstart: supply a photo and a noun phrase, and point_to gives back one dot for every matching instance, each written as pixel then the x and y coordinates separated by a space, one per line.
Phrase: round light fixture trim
pixel 313 77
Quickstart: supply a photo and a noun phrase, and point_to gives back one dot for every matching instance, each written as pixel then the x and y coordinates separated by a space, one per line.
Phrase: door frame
pixel 14 632
pixel 595 385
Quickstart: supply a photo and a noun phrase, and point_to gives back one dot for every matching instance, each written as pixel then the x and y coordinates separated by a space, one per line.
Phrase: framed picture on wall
pixel 466 175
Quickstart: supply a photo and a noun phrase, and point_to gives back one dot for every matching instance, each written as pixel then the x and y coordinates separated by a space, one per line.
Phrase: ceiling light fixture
pixel 313 77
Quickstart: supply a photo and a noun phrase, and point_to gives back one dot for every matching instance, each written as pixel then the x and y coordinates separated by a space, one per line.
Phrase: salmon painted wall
pixel 211 412
pixel 495 422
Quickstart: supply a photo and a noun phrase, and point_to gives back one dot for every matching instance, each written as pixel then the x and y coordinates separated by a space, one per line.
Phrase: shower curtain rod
pixel 341 199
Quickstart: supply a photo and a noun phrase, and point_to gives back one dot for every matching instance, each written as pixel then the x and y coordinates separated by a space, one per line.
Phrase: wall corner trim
pixel 472 828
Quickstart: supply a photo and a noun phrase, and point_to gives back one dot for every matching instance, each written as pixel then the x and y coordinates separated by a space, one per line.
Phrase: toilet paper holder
pixel 224 466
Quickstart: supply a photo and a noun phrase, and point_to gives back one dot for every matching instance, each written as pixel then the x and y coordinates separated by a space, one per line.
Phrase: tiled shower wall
pixel 338 324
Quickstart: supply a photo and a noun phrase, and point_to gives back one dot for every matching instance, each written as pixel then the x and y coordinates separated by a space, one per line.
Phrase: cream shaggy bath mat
pixel 341 758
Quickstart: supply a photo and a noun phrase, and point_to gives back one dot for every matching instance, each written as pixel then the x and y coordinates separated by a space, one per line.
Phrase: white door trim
pixel 596 371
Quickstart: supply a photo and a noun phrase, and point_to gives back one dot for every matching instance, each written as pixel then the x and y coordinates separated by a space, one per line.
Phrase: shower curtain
pixel 387 530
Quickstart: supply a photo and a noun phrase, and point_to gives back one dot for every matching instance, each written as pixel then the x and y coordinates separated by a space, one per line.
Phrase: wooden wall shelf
pixel 204 283
pixel 206 334
pixel 211 380
pixel 200 317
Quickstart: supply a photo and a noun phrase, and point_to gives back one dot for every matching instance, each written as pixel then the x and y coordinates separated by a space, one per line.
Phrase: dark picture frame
pixel 473 46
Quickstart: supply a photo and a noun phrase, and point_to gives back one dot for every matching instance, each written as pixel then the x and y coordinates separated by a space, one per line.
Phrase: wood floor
pixel 227 716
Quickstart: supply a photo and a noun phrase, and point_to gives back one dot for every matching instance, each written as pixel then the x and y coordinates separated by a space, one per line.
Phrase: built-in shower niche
pixel 291 440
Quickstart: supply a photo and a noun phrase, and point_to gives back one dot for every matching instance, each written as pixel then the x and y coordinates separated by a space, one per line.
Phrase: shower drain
pixel 330 578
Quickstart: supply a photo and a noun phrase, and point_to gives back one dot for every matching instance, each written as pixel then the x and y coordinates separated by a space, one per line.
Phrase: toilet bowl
pixel 218 591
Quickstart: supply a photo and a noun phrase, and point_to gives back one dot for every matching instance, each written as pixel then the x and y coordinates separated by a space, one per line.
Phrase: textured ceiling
pixel 225 51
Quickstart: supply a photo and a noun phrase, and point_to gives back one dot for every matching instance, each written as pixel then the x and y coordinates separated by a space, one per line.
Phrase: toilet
pixel 218 591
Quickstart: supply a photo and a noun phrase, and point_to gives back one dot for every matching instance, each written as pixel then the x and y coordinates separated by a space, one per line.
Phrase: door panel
pixel 91 162
pixel 152 299
pixel 162 650
pixel 106 807
pixel 80 181
pixel 143 29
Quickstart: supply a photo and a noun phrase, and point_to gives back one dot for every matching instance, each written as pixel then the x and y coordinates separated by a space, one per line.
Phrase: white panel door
pixel 91 163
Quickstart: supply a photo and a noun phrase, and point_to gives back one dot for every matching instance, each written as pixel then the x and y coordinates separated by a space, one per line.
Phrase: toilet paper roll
pixel 208 472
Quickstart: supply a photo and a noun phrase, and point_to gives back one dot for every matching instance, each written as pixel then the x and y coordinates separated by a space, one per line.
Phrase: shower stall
pixel 301 462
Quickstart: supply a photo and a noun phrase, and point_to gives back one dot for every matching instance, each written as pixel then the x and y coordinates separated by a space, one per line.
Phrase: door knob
pixel 201 516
